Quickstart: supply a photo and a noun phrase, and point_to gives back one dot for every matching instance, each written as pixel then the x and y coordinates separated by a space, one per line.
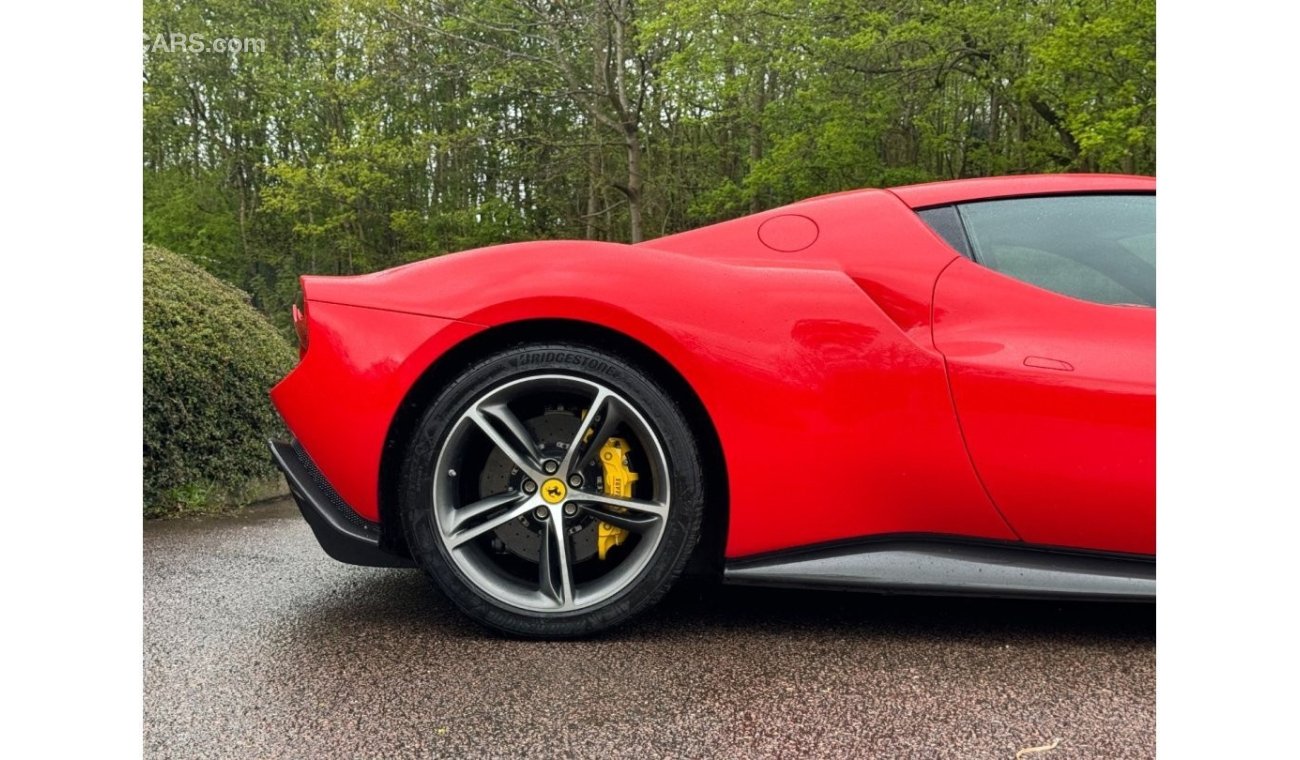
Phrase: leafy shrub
pixel 209 360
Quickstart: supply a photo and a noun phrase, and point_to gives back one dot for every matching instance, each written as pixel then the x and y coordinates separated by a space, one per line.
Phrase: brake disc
pixel 552 430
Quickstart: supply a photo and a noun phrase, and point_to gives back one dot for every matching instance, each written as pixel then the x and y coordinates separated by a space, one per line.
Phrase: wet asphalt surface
pixel 258 645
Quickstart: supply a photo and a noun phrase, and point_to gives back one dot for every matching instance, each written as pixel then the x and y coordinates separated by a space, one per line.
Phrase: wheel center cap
pixel 554 491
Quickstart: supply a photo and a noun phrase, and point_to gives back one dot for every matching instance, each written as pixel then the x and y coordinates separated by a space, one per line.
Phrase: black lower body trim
pixel 342 533
pixel 948 567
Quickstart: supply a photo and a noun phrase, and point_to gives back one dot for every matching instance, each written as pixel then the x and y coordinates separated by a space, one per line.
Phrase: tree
pixel 370 133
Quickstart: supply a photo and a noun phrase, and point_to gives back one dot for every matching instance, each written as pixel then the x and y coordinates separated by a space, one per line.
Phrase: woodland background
pixel 369 133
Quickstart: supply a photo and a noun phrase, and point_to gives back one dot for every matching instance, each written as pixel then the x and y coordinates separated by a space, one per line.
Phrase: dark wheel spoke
pixel 555 576
pixel 515 442
pixel 458 539
pixel 581 446
pixel 465 516
pixel 639 507
pixel 637 523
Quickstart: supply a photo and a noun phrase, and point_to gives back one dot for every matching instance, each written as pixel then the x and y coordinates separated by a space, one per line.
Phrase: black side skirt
pixel 946 567
pixel 342 533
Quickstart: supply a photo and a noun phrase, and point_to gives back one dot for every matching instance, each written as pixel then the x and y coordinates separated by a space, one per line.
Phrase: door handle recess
pixel 1042 362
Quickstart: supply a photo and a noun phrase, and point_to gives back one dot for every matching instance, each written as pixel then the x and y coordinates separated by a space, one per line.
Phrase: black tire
pixel 658 566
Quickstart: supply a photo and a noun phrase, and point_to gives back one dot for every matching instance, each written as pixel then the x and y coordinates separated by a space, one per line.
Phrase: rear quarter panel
pixel 816 367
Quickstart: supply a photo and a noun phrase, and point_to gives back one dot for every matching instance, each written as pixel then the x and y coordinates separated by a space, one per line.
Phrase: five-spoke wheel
pixel 553 500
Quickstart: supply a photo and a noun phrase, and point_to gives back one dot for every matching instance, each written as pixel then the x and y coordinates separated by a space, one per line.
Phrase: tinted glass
pixel 1099 248
pixel 945 221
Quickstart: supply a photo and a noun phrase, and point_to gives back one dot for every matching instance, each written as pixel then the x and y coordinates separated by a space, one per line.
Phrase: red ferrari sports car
pixel 945 388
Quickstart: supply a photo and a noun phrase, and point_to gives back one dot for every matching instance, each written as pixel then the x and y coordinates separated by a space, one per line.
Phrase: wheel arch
pixel 708 555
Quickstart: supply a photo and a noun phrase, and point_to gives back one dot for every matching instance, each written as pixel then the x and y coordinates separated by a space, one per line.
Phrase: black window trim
pixel 1023 196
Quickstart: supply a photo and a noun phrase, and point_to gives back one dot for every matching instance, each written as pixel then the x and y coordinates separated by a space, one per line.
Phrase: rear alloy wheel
pixel 553 491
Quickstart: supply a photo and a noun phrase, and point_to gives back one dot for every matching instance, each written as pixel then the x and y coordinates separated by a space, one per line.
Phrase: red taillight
pixel 300 327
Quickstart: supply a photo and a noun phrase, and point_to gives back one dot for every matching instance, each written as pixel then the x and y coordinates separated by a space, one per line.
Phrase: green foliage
pixel 1098 66
pixel 209 360
pixel 193 216
pixel 373 132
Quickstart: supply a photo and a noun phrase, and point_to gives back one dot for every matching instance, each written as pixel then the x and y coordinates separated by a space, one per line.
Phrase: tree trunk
pixel 756 135
pixel 593 187
pixel 634 185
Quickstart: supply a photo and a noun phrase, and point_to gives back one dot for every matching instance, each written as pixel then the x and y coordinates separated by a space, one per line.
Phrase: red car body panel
pixel 808 334
pixel 341 399
pixel 1057 400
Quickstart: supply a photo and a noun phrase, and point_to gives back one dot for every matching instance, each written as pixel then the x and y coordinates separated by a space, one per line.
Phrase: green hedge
pixel 209 360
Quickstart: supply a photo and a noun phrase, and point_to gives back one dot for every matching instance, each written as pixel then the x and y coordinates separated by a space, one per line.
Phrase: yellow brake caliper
pixel 618 482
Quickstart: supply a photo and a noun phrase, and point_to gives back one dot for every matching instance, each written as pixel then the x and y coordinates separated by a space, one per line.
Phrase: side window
pixel 945 221
pixel 1099 248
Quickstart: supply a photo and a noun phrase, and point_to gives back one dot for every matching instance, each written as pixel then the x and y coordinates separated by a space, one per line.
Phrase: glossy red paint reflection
pixel 818 368
pixel 341 398
pixel 1056 397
